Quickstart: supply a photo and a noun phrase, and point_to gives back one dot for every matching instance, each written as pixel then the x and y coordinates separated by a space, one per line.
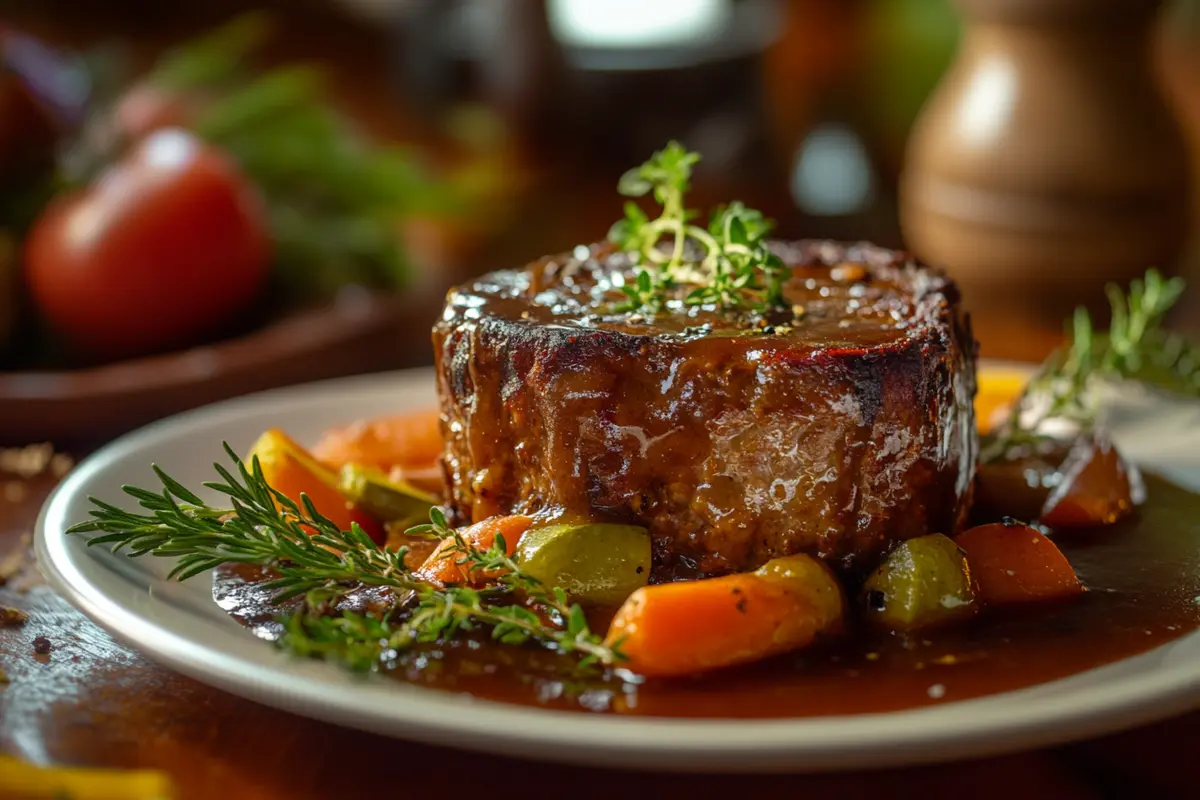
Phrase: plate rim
pixel 941 733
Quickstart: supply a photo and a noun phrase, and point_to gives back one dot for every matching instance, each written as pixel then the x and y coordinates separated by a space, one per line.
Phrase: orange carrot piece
pixel 292 471
pixel 1014 563
pixel 1096 488
pixel 996 392
pixel 682 628
pixel 442 567
pixel 413 440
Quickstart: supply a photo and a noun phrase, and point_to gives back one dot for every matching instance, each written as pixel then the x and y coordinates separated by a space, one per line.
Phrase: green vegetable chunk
pixel 923 583
pixel 381 497
pixel 595 563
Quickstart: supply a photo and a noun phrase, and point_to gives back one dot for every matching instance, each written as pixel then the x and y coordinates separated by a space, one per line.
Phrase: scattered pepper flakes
pixel 42 645
pixel 12 617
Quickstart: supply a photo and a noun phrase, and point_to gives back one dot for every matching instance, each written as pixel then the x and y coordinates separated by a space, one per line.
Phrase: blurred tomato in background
pixel 162 247
pixel 396 147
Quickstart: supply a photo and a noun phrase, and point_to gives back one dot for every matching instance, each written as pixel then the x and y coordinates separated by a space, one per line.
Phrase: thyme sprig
pixel 321 563
pixel 728 263
pixel 1136 347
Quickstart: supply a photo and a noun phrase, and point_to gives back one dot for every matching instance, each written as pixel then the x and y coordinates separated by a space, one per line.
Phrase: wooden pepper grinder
pixel 1046 164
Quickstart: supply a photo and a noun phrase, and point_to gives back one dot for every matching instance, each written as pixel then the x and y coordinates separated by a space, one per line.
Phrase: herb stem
pixel 1135 348
pixel 734 244
pixel 316 560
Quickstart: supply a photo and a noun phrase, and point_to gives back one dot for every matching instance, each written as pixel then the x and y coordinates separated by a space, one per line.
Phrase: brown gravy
pixel 1143 576
pixel 838 311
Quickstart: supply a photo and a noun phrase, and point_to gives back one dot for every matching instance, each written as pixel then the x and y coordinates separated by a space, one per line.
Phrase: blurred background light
pixel 637 23
pixel 832 174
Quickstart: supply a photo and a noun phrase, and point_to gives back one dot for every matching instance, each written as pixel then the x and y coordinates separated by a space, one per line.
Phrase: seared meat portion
pixel 840 430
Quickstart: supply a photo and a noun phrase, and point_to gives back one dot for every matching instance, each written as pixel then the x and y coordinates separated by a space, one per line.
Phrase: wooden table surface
pixel 92 702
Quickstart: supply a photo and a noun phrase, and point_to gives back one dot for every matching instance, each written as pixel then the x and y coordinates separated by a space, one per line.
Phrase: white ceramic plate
pixel 180 625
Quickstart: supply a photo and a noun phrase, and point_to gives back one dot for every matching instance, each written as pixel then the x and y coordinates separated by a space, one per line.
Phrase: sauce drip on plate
pixel 1143 576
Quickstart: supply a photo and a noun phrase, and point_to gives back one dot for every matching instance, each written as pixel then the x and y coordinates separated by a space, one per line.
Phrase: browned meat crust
pixel 839 435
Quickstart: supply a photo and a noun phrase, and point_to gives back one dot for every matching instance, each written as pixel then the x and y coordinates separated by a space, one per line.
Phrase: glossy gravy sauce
pixel 870 300
pixel 1143 576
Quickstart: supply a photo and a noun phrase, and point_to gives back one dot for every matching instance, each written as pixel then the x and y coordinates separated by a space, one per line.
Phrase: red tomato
pixel 162 249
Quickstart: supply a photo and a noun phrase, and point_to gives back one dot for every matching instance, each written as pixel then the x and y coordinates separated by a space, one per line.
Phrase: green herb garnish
pixel 728 263
pixel 321 564
pixel 1136 347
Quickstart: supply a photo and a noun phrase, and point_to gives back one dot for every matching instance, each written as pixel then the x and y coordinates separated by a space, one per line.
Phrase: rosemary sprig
pixel 316 560
pixel 724 262
pixel 1135 348
pixel 515 624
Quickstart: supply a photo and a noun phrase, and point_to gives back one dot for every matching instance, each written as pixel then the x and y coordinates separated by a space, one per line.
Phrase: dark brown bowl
pixel 76 408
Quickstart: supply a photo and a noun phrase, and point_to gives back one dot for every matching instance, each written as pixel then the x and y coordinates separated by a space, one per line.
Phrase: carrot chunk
pixel 1096 487
pixel 409 440
pixel 692 626
pixel 442 567
pixel 1014 563
pixel 996 392
pixel 292 471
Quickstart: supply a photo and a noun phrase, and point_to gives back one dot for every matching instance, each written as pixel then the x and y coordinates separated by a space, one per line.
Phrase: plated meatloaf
pixel 843 427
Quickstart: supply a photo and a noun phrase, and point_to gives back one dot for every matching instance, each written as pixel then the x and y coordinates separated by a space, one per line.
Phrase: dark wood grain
pixel 91 701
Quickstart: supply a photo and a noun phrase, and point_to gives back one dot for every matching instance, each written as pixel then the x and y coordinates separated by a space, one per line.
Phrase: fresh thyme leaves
pixel 1135 348
pixel 646 293
pixel 321 563
pixel 740 234
pixel 728 263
